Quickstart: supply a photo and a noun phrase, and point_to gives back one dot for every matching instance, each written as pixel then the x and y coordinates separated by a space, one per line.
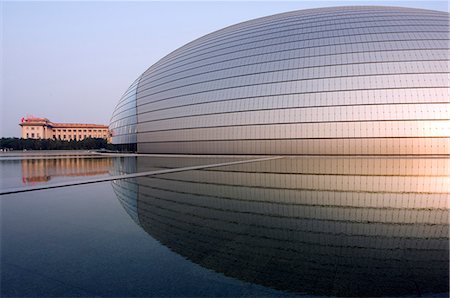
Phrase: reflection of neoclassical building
pixel 320 226
pixel 42 170
pixel 336 80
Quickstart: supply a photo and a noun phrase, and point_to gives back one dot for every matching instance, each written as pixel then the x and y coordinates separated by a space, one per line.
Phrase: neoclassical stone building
pixel 42 128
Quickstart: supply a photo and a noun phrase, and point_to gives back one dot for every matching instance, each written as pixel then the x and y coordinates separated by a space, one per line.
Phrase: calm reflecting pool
pixel 310 226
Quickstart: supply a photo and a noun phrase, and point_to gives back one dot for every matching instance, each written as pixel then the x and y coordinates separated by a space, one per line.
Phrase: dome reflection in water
pixel 342 226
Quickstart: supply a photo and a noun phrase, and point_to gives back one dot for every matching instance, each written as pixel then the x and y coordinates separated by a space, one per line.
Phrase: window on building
pixel 70 130
pixel 32 128
pixel 84 130
pixel 54 137
pixel 32 135
pixel 64 137
pixel 37 135
pixel 27 135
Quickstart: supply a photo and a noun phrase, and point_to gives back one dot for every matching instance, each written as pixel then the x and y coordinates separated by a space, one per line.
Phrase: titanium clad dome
pixel 341 80
pixel 124 119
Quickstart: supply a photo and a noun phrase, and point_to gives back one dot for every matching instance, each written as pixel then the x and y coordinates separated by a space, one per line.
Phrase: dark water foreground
pixel 315 226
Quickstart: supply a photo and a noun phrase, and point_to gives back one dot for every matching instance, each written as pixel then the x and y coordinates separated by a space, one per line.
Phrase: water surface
pixel 314 226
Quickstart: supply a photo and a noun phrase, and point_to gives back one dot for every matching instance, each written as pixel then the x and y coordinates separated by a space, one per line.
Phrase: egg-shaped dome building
pixel 339 81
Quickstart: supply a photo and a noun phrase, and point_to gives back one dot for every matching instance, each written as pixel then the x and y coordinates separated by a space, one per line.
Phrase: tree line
pixel 49 144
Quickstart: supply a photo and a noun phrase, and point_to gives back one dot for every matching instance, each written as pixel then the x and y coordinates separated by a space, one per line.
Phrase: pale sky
pixel 71 61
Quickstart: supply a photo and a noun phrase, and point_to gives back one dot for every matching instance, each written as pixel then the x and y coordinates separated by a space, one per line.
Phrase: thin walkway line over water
pixel 343 156
pixel 127 176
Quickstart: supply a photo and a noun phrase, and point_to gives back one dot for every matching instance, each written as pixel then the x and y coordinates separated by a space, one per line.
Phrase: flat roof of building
pixel 44 121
